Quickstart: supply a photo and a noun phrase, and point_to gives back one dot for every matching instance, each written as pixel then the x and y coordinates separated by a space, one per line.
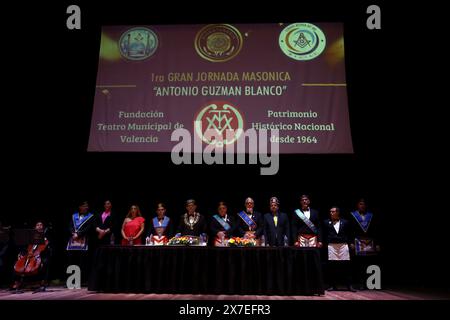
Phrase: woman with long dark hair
pixel 133 227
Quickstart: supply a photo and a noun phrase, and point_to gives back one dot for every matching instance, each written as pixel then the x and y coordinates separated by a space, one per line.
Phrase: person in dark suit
pixel 276 225
pixel 82 229
pixel 337 236
pixel 192 223
pixel 306 225
pixel 250 223
pixel 104 225
pixel 365 241
pixel 222 225
pixel 160 230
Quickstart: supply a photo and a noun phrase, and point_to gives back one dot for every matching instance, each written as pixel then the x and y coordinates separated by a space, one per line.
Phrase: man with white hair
pixel 250 222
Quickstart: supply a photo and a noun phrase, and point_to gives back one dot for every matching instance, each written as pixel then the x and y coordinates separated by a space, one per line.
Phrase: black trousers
pixel 339 273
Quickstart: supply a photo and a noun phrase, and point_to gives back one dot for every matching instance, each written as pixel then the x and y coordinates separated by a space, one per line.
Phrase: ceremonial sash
pixel 164 223
pixel 82 242
pixel 364 224
pixel 308 222
pixel 249 221
pixel 222 222
pixel 77 222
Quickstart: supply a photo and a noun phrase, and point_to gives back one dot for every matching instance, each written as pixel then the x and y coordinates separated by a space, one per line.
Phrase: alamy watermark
pixel 374 280
pixel 227 146
pixel 74 279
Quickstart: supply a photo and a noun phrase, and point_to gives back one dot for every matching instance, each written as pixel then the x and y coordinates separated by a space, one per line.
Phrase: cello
pixel 30 263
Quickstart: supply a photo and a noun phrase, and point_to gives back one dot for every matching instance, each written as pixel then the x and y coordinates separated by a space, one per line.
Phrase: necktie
pixel 275 220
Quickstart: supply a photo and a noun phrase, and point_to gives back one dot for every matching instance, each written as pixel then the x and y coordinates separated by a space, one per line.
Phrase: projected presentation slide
pixel 154 79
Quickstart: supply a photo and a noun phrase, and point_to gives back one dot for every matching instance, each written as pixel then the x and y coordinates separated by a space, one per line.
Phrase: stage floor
pixel 60 293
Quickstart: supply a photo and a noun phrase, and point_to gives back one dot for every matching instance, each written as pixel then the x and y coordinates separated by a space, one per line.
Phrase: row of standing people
pixel 275 228
pixel 341 238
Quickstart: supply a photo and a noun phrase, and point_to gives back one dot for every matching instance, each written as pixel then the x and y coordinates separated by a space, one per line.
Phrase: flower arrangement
pixel 184 241
pixel 241 242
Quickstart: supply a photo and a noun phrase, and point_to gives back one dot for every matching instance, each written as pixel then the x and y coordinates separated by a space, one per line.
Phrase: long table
pixel 207 270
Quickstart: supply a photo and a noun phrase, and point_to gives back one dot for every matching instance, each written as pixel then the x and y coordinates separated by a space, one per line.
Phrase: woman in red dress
pixel 133 227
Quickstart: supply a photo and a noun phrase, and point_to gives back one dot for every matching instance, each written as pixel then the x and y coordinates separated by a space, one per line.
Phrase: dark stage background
pixel 47 120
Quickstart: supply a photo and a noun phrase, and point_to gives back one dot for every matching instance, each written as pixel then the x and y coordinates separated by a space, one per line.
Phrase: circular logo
pixel 218 42
pixel 138 43
pixel 219 123
pixel 302 41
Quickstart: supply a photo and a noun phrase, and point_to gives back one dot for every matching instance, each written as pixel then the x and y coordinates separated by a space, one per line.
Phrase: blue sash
pixel 77 222
pixel 249 221
pixel 364 224
pixel 82 242
pixel 164 223
pixel 308 222
pixel 222 222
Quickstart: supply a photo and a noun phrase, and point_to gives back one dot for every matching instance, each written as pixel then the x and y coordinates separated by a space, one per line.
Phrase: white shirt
pixel 337 225
pixel 307 213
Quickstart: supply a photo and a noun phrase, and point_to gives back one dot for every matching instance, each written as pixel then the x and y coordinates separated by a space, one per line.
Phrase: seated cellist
pixel 32 264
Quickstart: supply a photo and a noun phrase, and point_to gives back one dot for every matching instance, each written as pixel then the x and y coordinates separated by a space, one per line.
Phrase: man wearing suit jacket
pixel 306 225
pixel 222 225
pixel 365 241
pixel 104 225
pixel 82 228
pixel 192 223
pixel 337 234
pixel 276 225
pixel 250 222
